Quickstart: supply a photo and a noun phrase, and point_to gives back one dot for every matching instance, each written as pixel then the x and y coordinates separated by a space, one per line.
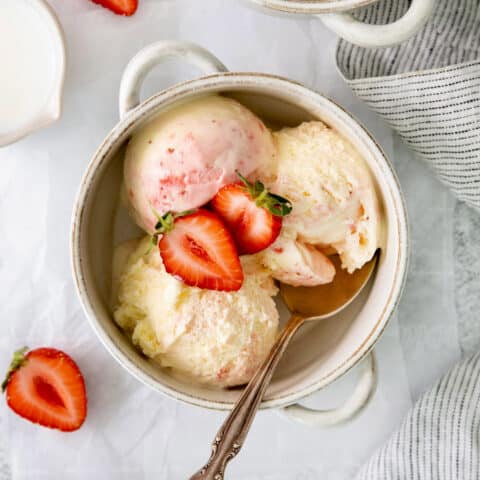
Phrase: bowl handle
pixel 367 35
pixel 326 418
pixel 154 54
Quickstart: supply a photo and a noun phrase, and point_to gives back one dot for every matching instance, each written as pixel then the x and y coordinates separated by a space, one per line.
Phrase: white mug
pixel 335 15
pixel 320 353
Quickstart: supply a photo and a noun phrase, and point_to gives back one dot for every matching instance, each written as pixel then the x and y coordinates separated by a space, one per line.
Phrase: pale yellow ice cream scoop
pixel 218 338
pixel 335 205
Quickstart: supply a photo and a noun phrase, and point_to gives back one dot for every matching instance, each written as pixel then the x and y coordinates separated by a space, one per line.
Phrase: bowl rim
pixel 312 6
pixel 206 84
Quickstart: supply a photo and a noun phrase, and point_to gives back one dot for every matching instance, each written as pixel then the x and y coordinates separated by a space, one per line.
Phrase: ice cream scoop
pixel 182 158
pixel 335 206
pixel 212 337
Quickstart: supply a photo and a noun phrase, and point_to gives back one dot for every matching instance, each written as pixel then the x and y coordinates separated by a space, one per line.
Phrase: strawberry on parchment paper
pixel 120 7
pixel 46 387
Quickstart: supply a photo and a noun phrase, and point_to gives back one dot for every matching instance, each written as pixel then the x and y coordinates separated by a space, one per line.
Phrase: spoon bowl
pixel 325 301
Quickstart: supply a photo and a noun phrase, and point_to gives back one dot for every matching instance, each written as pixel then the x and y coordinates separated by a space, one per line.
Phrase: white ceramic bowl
pixel 335 15
pixel 321 352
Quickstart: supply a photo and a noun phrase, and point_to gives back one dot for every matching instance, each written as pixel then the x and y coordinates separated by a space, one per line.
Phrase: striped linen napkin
pixel 427 89
pixel 439 439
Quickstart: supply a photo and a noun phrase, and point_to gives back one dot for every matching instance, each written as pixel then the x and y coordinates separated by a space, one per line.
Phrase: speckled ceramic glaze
pixel 335 14
pixel 321 352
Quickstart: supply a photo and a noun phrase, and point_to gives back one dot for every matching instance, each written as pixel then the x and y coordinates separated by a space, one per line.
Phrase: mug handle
pixel 327 418
pixel 367 35
pixel 150 56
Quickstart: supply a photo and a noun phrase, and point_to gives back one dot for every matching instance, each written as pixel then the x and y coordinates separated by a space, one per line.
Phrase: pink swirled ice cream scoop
pixel 182 158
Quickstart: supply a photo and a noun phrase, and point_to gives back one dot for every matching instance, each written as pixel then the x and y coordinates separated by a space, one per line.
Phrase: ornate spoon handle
pixel 232 433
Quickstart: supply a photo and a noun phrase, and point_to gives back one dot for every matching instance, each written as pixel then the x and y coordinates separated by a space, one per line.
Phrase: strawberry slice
pixel 120 7
pixel 251 213
pixel 197 248
pixel 46 387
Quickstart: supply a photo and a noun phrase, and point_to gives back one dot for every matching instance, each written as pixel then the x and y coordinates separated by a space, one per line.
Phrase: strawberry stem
pixel 17 362
pixel 166 223
pixel 243 179
pixel 184 213
pixel 275 204
pixel 261 197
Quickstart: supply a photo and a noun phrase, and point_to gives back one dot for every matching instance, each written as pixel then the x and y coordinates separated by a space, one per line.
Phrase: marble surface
pixel 132 433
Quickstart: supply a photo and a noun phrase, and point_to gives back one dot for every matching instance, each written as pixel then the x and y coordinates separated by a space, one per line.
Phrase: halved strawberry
pixel 198 248
pixel 251 213
pixel 120 7
pixel 46 387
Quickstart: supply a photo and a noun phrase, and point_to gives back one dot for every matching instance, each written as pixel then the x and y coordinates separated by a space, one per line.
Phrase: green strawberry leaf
pixel 17 362
pixel 275 204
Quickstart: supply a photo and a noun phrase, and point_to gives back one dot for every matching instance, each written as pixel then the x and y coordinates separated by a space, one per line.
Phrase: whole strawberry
pixel 45 386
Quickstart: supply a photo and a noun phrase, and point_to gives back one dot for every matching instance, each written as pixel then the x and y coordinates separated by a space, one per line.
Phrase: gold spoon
pixel 306 304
